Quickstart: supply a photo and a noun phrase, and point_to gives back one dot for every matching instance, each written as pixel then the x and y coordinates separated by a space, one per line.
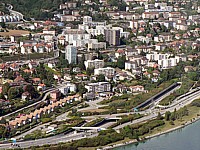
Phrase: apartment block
pixel 112 36
pixel 94 63
pixel 98 87
pixel 108 71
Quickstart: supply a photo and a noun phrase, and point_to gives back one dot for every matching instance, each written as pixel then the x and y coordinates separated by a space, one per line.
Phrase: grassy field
pixel 12 32
pixel 51 70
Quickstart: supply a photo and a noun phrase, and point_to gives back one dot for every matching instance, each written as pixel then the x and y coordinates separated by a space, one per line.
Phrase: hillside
pixel 38 9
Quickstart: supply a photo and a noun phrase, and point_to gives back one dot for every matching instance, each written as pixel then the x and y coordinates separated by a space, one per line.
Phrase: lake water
pixel 187 138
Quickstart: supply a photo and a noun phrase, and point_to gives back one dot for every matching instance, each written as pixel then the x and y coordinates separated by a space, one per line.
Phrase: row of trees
pixel 172 116
pixel 16 92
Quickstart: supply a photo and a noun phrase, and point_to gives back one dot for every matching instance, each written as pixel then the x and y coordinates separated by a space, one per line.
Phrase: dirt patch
pixel 13 32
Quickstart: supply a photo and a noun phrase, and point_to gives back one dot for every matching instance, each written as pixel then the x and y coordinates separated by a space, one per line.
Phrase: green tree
pixel 89 71
pixel 14 92
pixel 29 88
pixel 193 76
pixel 5 88
pixel 2 131
pixel 121 62
pixel 3 121
pixel 81 64
pixel 101 78
pixel 100 38
pixel 159 117
pixel 81 89
pixel 167 115
pixel 2 24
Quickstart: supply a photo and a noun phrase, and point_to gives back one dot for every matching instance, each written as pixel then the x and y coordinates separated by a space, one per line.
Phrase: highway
pixel 150 114
pixel 51 140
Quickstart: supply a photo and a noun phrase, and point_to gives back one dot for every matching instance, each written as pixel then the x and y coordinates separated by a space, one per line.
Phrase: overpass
pixel 112 118
pixel 157 96
pixel 89 128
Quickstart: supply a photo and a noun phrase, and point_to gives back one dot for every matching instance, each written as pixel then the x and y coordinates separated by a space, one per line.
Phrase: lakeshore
pixel 191 119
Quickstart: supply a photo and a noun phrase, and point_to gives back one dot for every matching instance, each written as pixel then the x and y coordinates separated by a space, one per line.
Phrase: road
pixel 93 104
pixel 150 115
pixel 50 140
pixel 47 92
pixel 31 130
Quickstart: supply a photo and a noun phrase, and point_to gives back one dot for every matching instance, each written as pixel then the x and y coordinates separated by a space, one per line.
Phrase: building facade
pixel 71 54
pixel 112 36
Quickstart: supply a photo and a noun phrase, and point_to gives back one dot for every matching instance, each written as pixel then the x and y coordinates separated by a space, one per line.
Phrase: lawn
pixel 51 70
pixel 12 32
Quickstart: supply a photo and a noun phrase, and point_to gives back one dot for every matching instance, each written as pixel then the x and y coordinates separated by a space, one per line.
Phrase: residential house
pixel 137 88
pixel 32 64
pixel 150 15
pixel 26 49
pixel 41 87
pixel 14 67
pixel 26 96
pixel 189 68
pixel 36 81
pixel 69 88
pixel 55 95
pixel 15 37
pixel 130 65
pixel 98 87
pixel 39 48
pixel 119 53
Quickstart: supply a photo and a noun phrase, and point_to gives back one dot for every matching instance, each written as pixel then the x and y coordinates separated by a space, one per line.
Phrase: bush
pixel 196 103
pixel 45 120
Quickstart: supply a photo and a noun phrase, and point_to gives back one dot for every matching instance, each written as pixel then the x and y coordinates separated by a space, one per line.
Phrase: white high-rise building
pixel 71 54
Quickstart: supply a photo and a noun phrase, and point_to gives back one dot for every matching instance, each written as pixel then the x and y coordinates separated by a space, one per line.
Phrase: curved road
pixel 43 99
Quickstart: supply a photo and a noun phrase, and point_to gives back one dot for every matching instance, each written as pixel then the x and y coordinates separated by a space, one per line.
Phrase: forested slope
pixel 38 9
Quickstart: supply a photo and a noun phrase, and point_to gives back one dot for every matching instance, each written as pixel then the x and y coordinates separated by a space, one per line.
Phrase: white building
pixel 70 87
pixel 87 20
pixel 108 71
pixel 94 63
pixel 94 44
pixel 157 56
pixel 130 65
pixel 71 54
pixel 98 87
pixel 168 63
pixel 76 37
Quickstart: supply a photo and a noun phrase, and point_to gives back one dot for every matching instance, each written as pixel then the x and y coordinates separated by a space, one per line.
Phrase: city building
pixel 98 87
pixel 112 36
pixel 108 71
pixel 71 54
pixel 94 63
